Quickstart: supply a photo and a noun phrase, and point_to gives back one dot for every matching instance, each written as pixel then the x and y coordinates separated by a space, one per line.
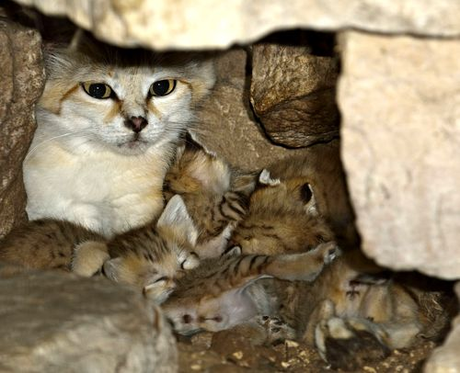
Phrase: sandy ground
pixel 205 353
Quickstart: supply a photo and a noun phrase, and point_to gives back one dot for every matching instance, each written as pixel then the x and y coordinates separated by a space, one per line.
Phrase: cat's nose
pixel 137 124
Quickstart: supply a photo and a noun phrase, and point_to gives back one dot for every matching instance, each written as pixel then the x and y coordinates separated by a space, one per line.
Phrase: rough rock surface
pixel 226 124
pixel 209 24
pixel 22 77
pixel 446 359
pixel 400 104
pixel 52 322
pixel 293 94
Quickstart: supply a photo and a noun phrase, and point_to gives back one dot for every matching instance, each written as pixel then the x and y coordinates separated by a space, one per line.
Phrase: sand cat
pixel 108 123
pixel 353 311
pixel 150 257
pixel 321 168
pixel 216 195
pixel 282 218
pixel 224 292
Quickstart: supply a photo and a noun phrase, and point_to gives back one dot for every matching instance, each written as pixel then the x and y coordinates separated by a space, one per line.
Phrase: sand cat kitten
pixel 353 311
pixel 149 258
pixel 216 195
pixel 224 292
pixel 108 123
pixel 321 168
pixel 282 218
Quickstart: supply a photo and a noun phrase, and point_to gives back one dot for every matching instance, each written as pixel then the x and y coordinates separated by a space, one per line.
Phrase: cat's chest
pixel 104 192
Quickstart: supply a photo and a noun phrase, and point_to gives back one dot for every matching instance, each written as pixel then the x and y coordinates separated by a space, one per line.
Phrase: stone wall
pixel 201 24
pixel 22 77
pixel 399 97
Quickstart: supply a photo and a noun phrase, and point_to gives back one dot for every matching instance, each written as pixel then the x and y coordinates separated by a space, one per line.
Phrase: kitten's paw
pixel 276 329
pixel 89 257
pixel 329 250
pixel 349 344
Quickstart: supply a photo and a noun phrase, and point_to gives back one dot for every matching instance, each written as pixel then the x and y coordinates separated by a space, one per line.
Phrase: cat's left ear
pixel 176 218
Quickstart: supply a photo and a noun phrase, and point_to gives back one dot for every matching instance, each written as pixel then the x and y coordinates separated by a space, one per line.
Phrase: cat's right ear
pixel 176 218
pixel 83 42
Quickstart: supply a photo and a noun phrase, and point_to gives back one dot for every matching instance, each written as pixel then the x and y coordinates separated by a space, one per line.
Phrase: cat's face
pixel 126 103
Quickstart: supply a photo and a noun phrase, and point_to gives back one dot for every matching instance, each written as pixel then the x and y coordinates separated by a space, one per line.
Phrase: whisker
pixel 48 140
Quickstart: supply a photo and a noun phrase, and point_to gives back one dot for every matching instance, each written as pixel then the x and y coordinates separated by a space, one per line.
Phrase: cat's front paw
pixel 349 344
pixel 88 258
pixel 329 251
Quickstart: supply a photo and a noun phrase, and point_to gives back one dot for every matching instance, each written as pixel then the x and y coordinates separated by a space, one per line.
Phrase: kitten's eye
pixel 100 91
pixel 162 87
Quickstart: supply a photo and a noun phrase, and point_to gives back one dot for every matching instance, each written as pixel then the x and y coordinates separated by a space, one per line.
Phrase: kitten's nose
pixel 137 124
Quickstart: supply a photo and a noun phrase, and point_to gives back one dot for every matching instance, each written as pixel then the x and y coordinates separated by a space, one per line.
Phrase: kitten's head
pixel 124 100
pixel 155 259
pixel 208 298
pixel 282 218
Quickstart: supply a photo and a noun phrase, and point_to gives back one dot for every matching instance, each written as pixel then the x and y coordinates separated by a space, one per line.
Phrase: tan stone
pixel 52 322
pixel 400 105
pixel 446 359
pixel 22 77
pixel 293 94
pixel 226 124
pixel 215 23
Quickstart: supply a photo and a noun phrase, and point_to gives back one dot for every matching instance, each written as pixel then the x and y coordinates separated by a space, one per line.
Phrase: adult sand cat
pixel 108 123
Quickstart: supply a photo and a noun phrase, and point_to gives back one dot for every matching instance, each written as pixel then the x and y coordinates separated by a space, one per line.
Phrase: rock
pixel 446 359
pixel 195 24
pixel 22 77
pixel 293 94
pixel 53 322
pixel 400 106
pixel 226 124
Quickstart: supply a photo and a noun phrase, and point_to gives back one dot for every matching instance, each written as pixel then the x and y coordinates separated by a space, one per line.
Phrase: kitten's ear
pixel 233 251
pixel 266 179
pixel 176 218
pixel 191 261
pixel 308 197
pixel 111 269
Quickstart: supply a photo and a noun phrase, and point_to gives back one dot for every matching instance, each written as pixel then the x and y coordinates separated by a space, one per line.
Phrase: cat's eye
pixel 162 87
pixel 101 91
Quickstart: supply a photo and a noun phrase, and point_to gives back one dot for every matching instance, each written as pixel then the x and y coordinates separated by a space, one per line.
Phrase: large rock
pixel 22 77
pixel 446 359
pixel 400 104
pixel 208 24
pixel 226 124
pixel 293 93
pixel 52 322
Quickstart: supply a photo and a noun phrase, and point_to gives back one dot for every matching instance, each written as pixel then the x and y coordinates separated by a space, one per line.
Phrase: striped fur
pixel 150 258
pixel 224 292
pixel 216 195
